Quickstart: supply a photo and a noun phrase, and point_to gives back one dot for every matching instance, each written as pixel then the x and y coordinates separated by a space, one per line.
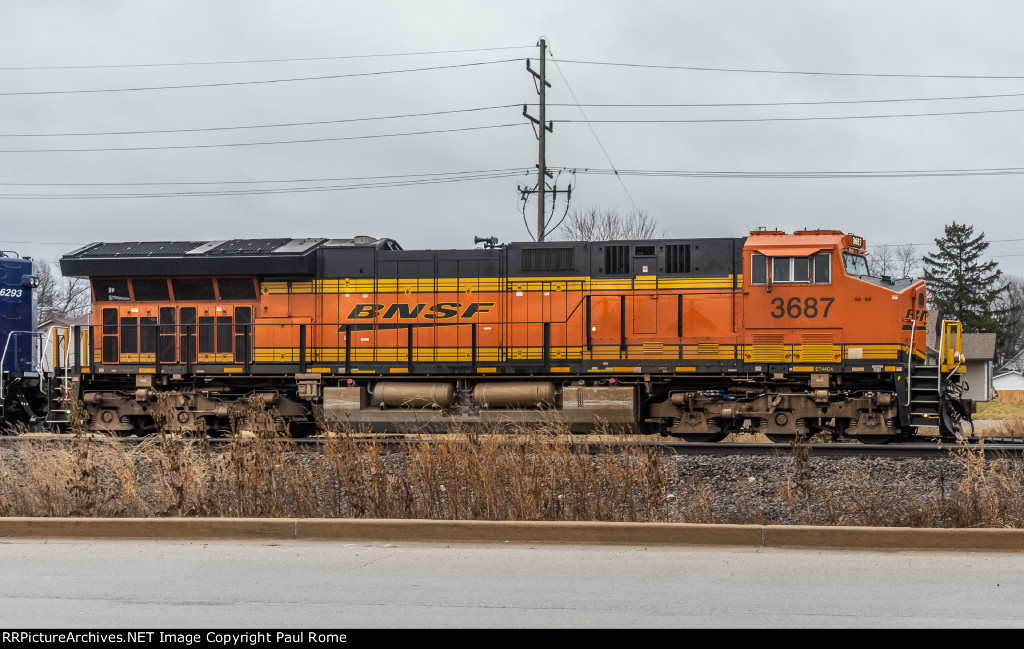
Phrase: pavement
pixel 532 532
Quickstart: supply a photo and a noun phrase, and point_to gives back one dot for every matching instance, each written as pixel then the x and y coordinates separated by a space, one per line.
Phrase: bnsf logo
pixel 438 311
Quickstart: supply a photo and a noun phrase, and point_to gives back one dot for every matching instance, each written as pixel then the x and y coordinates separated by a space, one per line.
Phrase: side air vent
pixel 616 260
pixel 547 259
pixel 677 258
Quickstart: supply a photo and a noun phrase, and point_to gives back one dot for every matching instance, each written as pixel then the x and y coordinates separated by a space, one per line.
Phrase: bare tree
pixel 607 224
pixel 897 261
pixel 58 296
pixel 1010 338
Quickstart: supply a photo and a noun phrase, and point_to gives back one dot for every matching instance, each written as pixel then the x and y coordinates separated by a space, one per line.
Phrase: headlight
pixel 29 281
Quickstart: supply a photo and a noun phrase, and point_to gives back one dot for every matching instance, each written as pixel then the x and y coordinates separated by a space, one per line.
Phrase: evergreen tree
pixel 962 286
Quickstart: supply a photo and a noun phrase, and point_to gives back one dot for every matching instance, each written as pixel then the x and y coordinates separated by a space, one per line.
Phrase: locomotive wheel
pixel 718 429
pixel 893 429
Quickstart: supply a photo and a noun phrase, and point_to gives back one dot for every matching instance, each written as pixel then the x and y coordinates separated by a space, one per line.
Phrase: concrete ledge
pixel 529 532
pixel 149 528
pixel 429 531
pixel 902 538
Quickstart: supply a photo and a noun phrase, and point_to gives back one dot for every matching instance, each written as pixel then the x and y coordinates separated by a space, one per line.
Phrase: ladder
pixel 925 397
pixel 61 387
pixel 929 386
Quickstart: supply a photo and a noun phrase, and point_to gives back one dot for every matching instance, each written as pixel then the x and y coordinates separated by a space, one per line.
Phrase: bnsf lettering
pixel 365 311
pixel 403 310
pixel 443 310
pixel 439 311
pixel 921 315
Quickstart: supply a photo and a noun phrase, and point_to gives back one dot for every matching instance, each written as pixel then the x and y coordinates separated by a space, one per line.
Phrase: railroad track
pixel 994 447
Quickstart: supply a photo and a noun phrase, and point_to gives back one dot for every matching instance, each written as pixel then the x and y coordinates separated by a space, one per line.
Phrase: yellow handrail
pixel 950 356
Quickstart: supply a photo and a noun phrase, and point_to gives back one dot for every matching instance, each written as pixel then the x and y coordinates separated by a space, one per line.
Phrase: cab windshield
pixel 855 264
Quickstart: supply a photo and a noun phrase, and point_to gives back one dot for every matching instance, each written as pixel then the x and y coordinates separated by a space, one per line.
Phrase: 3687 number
pixel 10 292
pixel 794 307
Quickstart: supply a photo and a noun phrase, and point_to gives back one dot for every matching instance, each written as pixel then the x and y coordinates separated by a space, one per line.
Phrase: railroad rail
pixel 993 447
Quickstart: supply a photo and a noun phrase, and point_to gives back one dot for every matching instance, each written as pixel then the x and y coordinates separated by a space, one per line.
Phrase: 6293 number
pixel 794 307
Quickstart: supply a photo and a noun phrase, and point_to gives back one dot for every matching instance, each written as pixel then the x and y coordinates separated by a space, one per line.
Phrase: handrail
pixel 3 356
pixel 910 360
pixel 40 367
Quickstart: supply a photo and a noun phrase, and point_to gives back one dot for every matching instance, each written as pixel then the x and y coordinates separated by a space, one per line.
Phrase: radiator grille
pixel 677 258
pixel 616 260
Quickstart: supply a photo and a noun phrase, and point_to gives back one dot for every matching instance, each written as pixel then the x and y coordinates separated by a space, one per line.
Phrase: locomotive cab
pixel 812 308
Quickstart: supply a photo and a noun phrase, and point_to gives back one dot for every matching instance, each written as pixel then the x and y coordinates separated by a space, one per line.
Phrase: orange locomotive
pixel 785 334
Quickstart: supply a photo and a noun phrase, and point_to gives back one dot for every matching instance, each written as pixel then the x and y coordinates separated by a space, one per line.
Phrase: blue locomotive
pixel 23 396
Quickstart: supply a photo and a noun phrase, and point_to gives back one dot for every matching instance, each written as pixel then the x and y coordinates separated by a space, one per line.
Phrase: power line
pixel 48 243
pixel 287 124
pixel 506 170
pixel 576 105
pixel 921 173
pixel 277 190
pixel 801 72
pixel 933 243
pixel 258 81
pixel 286 60
pixel 791 119
pixel 234 144
pixel 594 132
pixel 798 103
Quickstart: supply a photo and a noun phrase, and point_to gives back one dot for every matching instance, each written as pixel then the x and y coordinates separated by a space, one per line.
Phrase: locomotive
pixel 24 387
pixel 785 334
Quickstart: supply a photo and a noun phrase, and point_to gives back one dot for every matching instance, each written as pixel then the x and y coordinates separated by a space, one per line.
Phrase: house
pixel 59 330
pixel 980 351
pixel 1009 386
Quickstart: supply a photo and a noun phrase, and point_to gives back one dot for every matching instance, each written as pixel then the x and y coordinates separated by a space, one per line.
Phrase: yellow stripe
pixel 759 353
pixel 491 284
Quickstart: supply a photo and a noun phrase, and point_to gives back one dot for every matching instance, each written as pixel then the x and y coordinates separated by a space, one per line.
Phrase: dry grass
pixel 1001 411
pixel 500 474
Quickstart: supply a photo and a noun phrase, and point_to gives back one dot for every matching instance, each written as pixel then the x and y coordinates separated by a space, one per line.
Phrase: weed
pixel 500 472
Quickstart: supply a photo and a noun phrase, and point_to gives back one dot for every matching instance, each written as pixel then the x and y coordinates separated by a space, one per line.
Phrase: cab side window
pixel 758 269
pixel 822 268
pixel 791 270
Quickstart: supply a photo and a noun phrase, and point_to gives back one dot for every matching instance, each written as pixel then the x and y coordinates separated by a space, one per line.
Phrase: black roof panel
pixel 139 249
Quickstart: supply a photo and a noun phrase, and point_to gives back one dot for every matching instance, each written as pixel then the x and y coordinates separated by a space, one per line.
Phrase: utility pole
pixel 543 129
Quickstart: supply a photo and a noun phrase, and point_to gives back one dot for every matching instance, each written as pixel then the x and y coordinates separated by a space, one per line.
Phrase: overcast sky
pixel 874 49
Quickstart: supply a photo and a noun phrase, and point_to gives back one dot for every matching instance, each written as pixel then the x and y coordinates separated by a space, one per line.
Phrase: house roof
pixel 81 320
pixel 978 347
pixel 974 346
